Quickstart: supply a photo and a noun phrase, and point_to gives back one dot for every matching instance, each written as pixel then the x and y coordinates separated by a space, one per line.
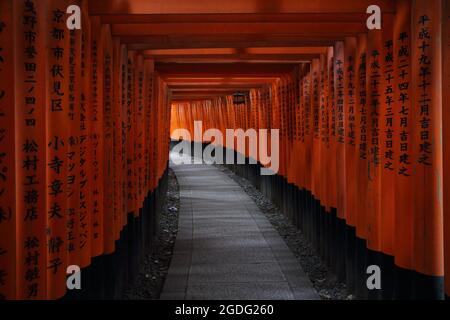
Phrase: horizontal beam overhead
pixel 200 87
pixel 229 41
pixel 249 50
pixel 200 96
pixel 279 58
pixel 224 70
pixel 218 78
pixel 223 91
pixel 178 100
pixel 292 28
pixel 279 54
pixel 102 7
pixel 226 18
pixel 193 83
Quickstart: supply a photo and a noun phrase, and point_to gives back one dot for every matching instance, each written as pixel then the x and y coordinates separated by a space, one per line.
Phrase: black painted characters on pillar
pixel 340 100
pixel 403 95
pixel 389 114
pixel 375 75
pixel 351 96
pixel 362 96
pixel 425 103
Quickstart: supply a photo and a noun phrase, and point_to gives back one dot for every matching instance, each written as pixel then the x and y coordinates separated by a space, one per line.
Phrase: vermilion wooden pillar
pixel 165 133
pixel 117 138
pixel 362 161
pixel 388 139
pixel 332 116
pixel 278 120
pixel 351 157
pixel 159 108
pixel 30 73
pixel 123 136
pixel 139 134
pixel 374 78
pixel 287 104
pixel 351 126
pixel 341 123
pixel 108 176
pixel 387 142
pixel 340 97
pixel 325 157
pixel 149 74
pixel 130 129
pixel 255 116
pixel 264 121
pixel 330 132
pixel 315 162
pixel 8 262
pixel 427 148
pixel 97 78
pixel 73 155
pixel 287 123
pixel 57 146
pixel 85 142
pixel 153 129
pixel 403 150
pixel 308 120
pixel 446 140
pixel 298 160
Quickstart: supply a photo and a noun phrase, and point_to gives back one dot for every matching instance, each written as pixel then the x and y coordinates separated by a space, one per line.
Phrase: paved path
pixel 226 248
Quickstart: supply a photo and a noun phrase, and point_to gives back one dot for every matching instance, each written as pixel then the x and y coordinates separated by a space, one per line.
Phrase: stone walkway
pixel 226 249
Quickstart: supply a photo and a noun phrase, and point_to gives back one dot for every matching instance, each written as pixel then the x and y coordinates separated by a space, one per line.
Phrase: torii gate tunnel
pixel 93 92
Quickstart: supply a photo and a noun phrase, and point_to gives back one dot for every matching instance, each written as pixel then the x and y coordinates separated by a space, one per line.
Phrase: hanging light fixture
pixel 239 98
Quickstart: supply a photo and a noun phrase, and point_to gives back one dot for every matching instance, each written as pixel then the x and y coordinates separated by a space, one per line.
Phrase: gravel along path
pixel 155 266
pixel 326 284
